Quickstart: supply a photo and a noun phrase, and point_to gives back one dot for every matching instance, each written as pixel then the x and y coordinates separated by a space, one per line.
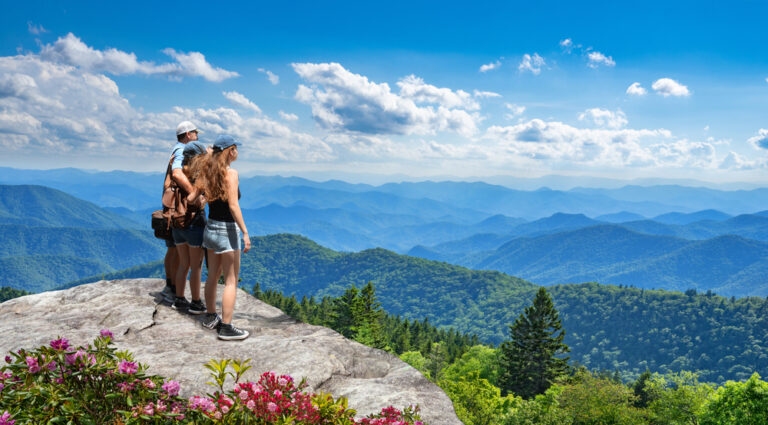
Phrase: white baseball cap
pixel 186 127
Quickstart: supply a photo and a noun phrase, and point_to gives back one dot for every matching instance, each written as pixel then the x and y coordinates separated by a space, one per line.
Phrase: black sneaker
pixel 228 332
pixel 169 294
pixel 181 304
pixel 211 321
pixel 196 307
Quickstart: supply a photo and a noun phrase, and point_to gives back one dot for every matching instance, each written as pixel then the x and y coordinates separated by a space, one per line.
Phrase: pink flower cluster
pixel 5 419
pixel 60 344
pixel 159 407
pixel 172 388
pixel 274 397
pixel 127 367
pixel 81 358
pixel 105 333
pixel 389 416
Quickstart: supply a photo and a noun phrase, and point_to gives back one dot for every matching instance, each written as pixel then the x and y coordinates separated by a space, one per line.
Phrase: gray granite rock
pixel 176 345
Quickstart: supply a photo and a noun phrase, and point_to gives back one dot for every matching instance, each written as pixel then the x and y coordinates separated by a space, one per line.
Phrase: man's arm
pixel 181 179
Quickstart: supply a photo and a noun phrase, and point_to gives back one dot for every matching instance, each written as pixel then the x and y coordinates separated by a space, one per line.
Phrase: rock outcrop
pixel 176 345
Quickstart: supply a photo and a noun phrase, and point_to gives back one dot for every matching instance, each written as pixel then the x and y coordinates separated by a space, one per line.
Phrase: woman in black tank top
pixel 222 236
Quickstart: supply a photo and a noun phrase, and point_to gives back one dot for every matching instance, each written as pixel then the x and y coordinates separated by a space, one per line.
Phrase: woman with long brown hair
pixel 222 235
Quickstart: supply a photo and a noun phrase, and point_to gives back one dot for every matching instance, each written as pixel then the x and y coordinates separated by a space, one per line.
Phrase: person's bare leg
pixel 170 264
pixel 214 272
pixel 230 286
pixel 183 268
pixel 195 270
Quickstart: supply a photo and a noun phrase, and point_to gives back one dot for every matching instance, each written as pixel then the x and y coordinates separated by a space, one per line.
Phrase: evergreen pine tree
pixel 529 360
pixel 343 312
pixel 367 315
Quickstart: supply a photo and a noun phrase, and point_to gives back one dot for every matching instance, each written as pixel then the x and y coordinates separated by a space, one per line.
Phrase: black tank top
pixel 219 210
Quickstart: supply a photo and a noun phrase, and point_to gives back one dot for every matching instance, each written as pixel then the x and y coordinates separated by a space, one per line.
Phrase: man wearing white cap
pixel 185 132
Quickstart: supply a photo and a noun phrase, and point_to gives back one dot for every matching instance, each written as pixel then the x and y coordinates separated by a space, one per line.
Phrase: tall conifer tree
pixel 529 360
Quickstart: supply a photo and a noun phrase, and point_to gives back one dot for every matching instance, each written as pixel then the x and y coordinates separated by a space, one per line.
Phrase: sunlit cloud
pixel 635 89
pixel 532 64
pixel 70 50
pixel 271 76
pixel 669 87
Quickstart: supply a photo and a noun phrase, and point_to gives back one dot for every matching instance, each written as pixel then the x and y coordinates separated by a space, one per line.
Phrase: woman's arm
pixel 234 206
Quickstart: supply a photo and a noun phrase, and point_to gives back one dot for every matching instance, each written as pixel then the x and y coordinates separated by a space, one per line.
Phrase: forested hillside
pixel 610 253
pixel 607 327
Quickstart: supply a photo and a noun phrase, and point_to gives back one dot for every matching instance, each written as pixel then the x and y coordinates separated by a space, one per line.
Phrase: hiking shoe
pixel 211 321
pixel 181 304
pixel 169 294
pixel 228 332
pixel 196 307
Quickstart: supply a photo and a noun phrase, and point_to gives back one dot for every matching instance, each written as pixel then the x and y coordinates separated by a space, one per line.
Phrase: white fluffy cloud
pixel 734 161
pixel 242 101
pixel 70 50
pixel 760 141
pixel 414 88
pixel 35 29
pixel 288 117
pixel 482 94
pixel 342 100
pixel 555 141
pixel 490 66
pixel 271 76
pixel 49 106
pixel 514 111
pixel 635 89
pixel 532 64
pixel 669 87
pixel 566 45
pixel 596 59
pixel 604 118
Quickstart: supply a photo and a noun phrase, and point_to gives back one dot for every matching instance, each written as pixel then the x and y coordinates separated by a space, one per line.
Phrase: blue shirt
pixel 178 155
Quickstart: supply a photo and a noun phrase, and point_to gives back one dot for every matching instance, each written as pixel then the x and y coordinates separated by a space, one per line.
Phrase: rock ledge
pixel 177 346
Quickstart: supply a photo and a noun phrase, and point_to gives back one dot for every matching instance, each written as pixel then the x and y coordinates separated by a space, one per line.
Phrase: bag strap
pixel 168 181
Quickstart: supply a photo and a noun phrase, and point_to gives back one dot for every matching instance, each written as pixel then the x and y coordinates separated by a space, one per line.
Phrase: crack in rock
pixel 154 314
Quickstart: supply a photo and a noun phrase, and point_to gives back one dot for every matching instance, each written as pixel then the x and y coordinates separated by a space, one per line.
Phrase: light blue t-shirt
pixel 178 155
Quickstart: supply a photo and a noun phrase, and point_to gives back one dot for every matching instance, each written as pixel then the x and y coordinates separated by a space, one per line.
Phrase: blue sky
pixel 465 90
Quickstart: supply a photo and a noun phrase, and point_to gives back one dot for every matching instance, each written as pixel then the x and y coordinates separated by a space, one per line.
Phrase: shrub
pixel 97 384
pixel 94 384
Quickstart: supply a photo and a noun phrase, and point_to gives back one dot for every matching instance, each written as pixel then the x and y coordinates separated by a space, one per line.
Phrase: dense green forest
pixel 471 375
pixel 607 327
pixel 7 293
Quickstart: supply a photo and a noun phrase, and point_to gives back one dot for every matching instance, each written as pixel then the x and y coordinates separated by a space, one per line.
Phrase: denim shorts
pixel 192 235
pixel 221 236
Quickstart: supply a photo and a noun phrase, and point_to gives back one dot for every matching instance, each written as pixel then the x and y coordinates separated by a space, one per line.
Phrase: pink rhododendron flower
pixel 148 383
pixel 5 419
pixel 278 393
pixel 60 344
pixel 243 395
pixel 224 409
pixel 282 381
pixel 149 410
pixel 172 388
pixel 51 366
pixel 272 407
pixel 250 405
pixel 105 333
pixel 32 364
pixel 127 367
pixel 8 359
pixel 217 415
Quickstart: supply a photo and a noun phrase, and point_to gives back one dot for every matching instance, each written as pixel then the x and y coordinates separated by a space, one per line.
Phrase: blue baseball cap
pixel 224 141
pixel 193 149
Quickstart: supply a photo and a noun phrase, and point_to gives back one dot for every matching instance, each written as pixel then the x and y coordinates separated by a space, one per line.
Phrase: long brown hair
pixel 212 178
